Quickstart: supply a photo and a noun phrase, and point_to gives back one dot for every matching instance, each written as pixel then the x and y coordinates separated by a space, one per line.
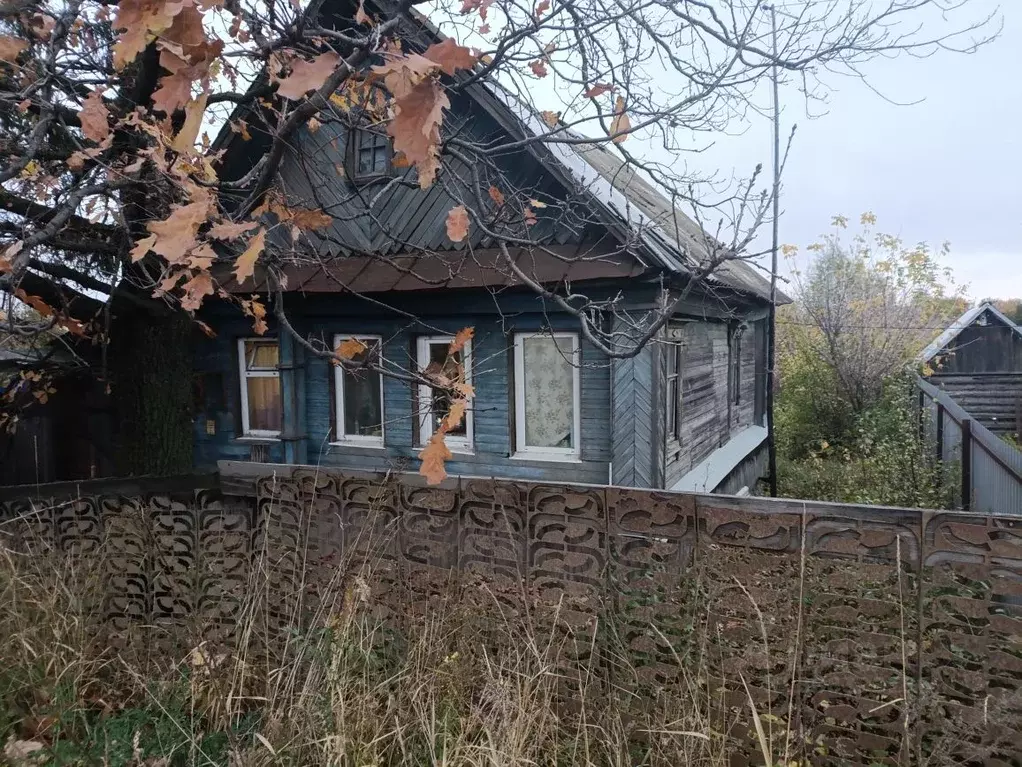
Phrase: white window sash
pixel 456 444
pixel 343 438
pixel 547 453
pixel 245 375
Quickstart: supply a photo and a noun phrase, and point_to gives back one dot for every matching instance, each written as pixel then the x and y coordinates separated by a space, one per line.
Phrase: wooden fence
pixel 896 634
pixel 991 469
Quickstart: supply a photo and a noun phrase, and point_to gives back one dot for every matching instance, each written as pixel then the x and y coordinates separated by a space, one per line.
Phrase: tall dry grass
pixel 325 676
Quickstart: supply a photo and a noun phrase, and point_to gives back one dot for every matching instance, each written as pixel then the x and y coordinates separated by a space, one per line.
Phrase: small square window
pixel 260 387
pixel 369 154
pixel 435 355
pixel 673 391
pixel 359 395
pixel 547 417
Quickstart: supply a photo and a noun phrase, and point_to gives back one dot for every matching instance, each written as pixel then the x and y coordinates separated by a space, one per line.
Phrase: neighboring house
pixel 977 360
pixel 688 412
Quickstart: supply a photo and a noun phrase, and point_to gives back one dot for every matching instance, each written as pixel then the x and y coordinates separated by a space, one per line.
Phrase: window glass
pixel 263 403
pixel 549 381
pixel 451 366
pixel 362 401
pixel 260 392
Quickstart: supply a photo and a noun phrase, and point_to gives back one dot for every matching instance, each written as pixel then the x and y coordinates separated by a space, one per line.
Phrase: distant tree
pixel 865 306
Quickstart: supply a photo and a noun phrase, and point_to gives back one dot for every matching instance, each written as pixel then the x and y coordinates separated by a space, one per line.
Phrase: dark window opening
pixel 369 155
pixel 673 391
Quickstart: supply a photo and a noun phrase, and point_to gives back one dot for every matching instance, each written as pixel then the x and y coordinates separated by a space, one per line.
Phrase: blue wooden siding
pixel 633 438
pixel 492 369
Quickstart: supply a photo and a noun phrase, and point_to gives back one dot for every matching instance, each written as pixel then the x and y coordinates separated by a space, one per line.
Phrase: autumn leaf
pixel 308 75
pixel 93 117
pixel 228 230
pixel 304 218
pixel 457 223
pixel 530 217
pixel 538 68
pixel 313 125
pixel 497 196
pixel 184 141
pixel 253 307
pixel 43 308
pixel 202 257
pixel 537 203
pixel 142 247
pixel 416 128
pixel 598 90
pixel 620 125
pixel 450 56
pixel 10 47
pixel 455 414
pixel 361 17
pixel 482 6
pixel 433 457
pixel 542 7
pixel 244 267
pixel 550 118
pixel 484 29
pixel 176 234
pixel 195 290
pixel 461 338
pixel 350 348
pixel 465 389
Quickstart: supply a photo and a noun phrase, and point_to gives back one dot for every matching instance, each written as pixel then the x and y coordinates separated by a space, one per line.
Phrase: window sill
pixel 546 457
pixel 456 450
pixel 257 439
pixel 379 447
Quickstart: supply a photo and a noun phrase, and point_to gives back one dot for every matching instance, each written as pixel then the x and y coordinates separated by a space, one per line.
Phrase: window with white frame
pixel 359 394
pixel 547 397
pixel 435 357
pixel 258 360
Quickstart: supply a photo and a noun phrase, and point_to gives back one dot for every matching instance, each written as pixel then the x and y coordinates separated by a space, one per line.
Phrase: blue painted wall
pixel 495 320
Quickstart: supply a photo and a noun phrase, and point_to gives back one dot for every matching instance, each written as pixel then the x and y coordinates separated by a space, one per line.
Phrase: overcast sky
pixel 948 168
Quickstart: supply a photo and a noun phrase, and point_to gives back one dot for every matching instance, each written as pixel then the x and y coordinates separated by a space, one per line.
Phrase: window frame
pixel 674 373
pixel 244 375
pixel 522 449
pixel 455 443
pixel 340 436
pixel 353 149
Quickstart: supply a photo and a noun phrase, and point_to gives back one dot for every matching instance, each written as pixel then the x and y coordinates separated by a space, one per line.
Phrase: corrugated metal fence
pixel 991 469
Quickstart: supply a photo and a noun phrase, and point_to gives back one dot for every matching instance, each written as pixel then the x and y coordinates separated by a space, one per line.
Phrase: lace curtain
pixel 549 392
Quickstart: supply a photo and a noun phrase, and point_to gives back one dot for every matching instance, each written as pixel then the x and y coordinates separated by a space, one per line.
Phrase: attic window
pixel 369 155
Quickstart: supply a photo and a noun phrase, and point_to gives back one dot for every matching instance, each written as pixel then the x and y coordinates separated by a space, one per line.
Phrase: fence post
pixel 940 432
pixel 966 464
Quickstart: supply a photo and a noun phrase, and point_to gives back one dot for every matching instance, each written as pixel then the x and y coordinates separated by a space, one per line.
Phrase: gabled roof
pixel 630 206
pixel 955 328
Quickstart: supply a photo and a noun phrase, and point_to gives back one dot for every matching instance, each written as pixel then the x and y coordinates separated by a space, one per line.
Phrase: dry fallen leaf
pixel 228 230
pixel 461 338
pixel 93 117
pixel 10 47
pixel 538 68
pixel 196 289
pixel 308 75
pixel 450 56
pixel 497 196
pixel 598 90
pixel 361 17
pixel 550 118
pixel 542 7
pixel 350 348
pixel 433 456
pixel 620 125
pixel 457 223
pixel 244 267
pixel 455 414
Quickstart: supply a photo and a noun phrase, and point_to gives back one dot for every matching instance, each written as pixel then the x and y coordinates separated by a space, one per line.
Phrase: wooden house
pixel 687 412
pixel 977 360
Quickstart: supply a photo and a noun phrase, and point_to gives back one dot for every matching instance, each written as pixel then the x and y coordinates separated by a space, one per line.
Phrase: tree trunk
pixel 150 361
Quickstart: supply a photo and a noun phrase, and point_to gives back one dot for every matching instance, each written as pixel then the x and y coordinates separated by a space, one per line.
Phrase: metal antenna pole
pixel 772 329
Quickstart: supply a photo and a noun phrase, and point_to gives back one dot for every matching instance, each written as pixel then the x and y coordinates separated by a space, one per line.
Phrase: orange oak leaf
pixel 176 234
pixel 175 89
pixel 538 68
pixel 184 141
pixel 244 267
pixel 482 6
pixel 598 90
pixel 550 118
pixel 461 338
pixel 620 125
pixel 537 203
pixel 43 308
pixel 361 17
pixel 195 290
pixel 202 257
pixel 450 56
pixel 484 29
pixel 93 117
pixel 402 73
pixel 542 7
pixel 10 47
pixel 308 75
pixel 433 456
pixel 136 21
pixel 497 196
pixel 457 223
pixel 142 247
pixel 456 414
pixel 305 218
pixel 350 348
pixel 252 307
pixel 416 128
pixel 228 230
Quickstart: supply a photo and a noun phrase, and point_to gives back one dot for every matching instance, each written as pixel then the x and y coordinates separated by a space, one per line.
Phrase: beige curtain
pixel 549 392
